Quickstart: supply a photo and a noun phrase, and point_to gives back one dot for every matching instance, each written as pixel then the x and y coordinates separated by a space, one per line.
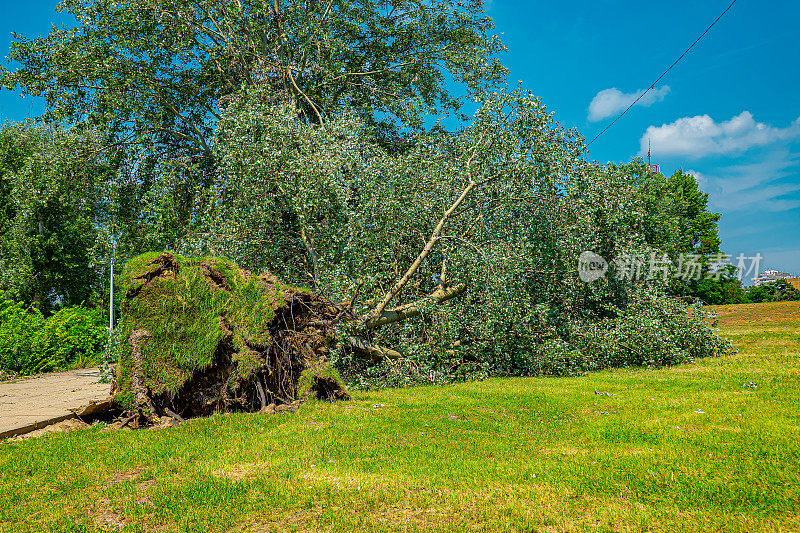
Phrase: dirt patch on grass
pixel 565 452
pixel 238 472
pixel 105 518
pixel 491 411
pixel 126 476
pixel 393 517
pixel 412 516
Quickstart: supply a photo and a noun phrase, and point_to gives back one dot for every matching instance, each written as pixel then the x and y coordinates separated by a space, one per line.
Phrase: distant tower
pixel 652 168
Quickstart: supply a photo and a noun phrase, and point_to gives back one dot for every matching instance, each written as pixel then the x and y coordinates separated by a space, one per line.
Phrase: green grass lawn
pixel 682 449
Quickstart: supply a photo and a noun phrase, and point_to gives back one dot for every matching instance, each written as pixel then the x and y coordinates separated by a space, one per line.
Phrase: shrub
pixel 74 337
pixel 18 326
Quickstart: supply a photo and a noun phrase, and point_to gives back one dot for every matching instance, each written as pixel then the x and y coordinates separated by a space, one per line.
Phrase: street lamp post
pixel 111 298
pixel 110 264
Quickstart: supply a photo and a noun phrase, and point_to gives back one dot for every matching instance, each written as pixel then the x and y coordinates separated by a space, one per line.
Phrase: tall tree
pixel 16 146
pixel 156 75
pixel 679 220
pixel 47 253
pixel 161 71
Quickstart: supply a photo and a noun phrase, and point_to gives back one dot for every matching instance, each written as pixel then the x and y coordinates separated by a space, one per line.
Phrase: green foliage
pixel 156 76
pixel 315 379
pixel 166 69
pixel 110 355
pixel 725 288
pixel 785 292
pixel 759 294
pixel 678 220
pixel 18 327
pixel 73 337
pixel 17 144
pixel 778 291
pixel 271 133
pixel 720 289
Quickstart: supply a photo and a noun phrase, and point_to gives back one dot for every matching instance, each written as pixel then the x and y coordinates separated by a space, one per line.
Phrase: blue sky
pixel 729 112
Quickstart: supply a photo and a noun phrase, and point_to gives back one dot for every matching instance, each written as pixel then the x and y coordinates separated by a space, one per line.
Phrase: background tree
pixel 678 217
pixel 760 293
pixel 725 288
pixel 778 291
pixel 785 292
pixel 679 222
pixel 48 251
pixel 16 146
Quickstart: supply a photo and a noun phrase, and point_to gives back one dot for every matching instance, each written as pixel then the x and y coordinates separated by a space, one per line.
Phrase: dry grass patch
pixel 748 314
pixel 107 519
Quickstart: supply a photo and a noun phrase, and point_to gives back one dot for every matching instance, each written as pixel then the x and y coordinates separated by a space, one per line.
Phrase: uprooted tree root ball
pixel 199 336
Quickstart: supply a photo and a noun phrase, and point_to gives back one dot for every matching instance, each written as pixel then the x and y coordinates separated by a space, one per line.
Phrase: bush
pixel 18 327
pixel 74 337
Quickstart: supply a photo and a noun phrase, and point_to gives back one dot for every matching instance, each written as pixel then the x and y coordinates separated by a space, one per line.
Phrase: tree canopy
pixel 54 213
pixel 154 77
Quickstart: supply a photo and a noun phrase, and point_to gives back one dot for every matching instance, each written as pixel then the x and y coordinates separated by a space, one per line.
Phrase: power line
pixel 653 85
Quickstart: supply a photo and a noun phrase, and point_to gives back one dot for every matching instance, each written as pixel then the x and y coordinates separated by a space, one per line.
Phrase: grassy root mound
pixel 199 336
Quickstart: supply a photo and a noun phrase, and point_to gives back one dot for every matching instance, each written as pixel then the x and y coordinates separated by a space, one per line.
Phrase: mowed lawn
pixel 689 448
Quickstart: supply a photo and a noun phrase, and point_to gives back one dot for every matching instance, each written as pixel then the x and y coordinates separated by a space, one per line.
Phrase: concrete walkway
pixel 28 404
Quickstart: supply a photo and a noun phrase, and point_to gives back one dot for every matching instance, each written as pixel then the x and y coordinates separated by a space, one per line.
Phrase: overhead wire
pixel 653 85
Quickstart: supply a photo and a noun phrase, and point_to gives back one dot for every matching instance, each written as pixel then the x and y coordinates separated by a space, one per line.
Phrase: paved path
pixel 30 403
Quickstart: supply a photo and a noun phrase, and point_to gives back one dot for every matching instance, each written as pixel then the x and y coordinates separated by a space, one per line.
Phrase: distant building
pixel 795 282
pixel 771 276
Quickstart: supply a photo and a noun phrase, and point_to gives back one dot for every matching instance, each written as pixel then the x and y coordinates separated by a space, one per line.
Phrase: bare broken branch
pixel 413 309
pixel 373 352
pixel 421 257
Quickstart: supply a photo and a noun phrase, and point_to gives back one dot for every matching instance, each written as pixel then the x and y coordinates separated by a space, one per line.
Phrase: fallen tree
pixel 454 258
pixel 456 252
pixel 429 255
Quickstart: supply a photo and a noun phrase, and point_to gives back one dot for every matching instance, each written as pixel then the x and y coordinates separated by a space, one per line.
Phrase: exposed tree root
pixel 244 373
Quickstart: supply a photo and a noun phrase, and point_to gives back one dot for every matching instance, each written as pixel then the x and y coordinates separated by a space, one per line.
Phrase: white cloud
pixel 700 136
pixel 609 102
pixel 754 187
